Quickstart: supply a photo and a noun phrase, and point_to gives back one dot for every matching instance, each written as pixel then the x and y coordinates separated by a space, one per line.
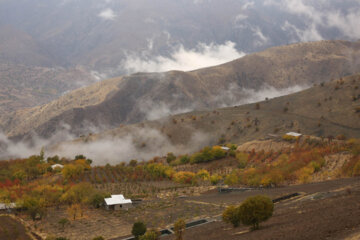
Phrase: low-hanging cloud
pixel 204 55
pixel 141 143
pixel 234 95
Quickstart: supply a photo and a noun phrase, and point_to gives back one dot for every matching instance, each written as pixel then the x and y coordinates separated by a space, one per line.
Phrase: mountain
pixel 94 39
pixel 325 110
pixel 99 35
pixel 141 96
pixel 24 86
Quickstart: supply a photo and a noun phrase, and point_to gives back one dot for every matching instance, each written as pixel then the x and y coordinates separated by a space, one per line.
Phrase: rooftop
pixel 117 199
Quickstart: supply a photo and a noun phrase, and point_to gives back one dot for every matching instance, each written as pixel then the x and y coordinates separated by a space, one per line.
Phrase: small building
pixel 293 134
pixel 57 166
pixel 7 206
pixel 118 202
pixel 225 148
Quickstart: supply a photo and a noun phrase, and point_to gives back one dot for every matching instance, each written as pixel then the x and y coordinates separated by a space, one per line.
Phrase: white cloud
pixel 320 14
pixel 240 17
pixel 247 5
pixel 261 38
pixel 183 59
pixel 107 14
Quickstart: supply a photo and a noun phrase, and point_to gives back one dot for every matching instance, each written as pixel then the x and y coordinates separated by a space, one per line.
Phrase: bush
pixel 289 138
pixel 98 238
pixel 184 159
pixel 150 235
pixel 184 177
pixel 203 175
pixel 215 179
pixel 231 215
pixel 138 229
pixel 170 157
pixel 255 210
pixel 179 228
pixel 242 159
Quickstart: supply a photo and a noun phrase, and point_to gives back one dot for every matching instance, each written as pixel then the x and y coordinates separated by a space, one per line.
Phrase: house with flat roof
pixel 118 202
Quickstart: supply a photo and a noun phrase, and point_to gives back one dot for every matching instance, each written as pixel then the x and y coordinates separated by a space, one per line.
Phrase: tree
pixel 80 156
pixel 133 163
pixel 74 210
pixel 150 235
pixel 179 228
pixel 35 207
pixel 138 229
pixel 170 157
pixel 255 210
pixel 231 215
pixel 63 222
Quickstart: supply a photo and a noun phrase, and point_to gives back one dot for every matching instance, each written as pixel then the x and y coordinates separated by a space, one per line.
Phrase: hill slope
pixel 329 109
pixel 142 96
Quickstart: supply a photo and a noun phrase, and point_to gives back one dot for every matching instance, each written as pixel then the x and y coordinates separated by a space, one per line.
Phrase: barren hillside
pixel 330 109
pixel 147 96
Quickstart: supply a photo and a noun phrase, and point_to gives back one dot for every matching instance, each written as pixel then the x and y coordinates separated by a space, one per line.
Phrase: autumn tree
pixel 179 228
pixel 150 235
pixel 74 211
pixel 231 215
pixel 35 207
pixel 255 210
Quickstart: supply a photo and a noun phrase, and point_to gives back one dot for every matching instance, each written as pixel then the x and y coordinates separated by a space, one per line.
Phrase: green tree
pixel 34 207
pixel 170 157
pixel 255 210
pixel 133 163
pixel 179 228
pixel 231 215
pixel 150 235
pixel 138 229
pixel 80 156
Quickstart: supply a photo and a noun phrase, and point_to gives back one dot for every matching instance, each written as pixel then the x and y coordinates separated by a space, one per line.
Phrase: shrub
pixel 170 157
pixel 203 175
pixel 231 215
pixel 242 159
pixel 133 163
pixel 184 177
pixel 215 179
pixel 138 229
pixel 356 170
pixel 289 138
pixel 150 235
pixel 255 210
pixel 98 238
pixel 179 228
pixel 184 159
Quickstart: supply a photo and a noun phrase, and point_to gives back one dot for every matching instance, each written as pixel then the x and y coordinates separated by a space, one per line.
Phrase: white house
pixel 117 202
pixel 225 148
pixel 7 206
pixel 294 134
pixel 56 166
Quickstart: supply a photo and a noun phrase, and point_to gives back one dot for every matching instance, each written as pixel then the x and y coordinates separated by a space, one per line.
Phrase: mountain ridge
pixel 226 84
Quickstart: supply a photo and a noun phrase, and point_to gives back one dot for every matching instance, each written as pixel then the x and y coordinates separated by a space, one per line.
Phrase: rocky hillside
pixel 329 109
pixel 152 95
pixel 28 86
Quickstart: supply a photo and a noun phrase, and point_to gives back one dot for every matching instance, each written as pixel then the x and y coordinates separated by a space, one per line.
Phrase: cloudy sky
pixel 112 37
